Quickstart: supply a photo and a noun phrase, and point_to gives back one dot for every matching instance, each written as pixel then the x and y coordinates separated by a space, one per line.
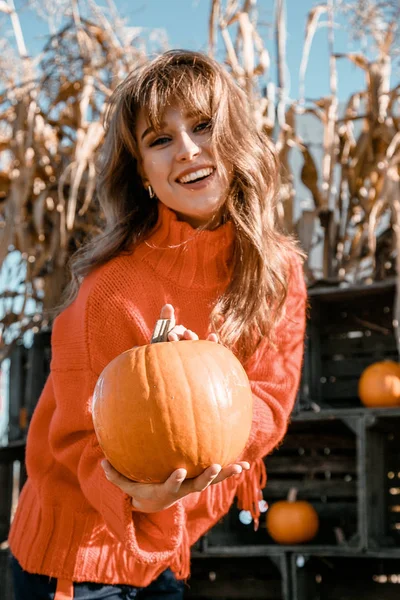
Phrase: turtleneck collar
pixel 190 257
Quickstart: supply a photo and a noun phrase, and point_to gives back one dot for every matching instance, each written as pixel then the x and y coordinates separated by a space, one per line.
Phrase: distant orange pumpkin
pixel 379 384
pixel 292 521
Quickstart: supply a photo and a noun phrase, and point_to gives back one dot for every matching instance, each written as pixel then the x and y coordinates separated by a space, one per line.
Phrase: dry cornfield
pixel 51 109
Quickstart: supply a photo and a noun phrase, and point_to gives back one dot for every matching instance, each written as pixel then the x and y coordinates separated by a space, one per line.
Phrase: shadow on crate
pixel 6 589
pixel 319 459
pixel 348 329
pixel 345 578
pixel 229 578
pixel 383 493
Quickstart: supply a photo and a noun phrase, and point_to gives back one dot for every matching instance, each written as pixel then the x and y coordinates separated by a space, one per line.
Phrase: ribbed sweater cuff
pixel 261 438
pixel 152 538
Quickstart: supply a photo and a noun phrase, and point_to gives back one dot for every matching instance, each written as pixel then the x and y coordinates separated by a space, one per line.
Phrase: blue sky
pixel 186 22
pixel 186 25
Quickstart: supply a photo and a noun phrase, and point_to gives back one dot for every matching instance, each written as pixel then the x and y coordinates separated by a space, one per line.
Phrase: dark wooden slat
pixel 38 365
pixel 311 488
pixel 13 451
pixel 234 577
pixel 340 389
pixel 345 367
pixel 365 346
pixel 336 510
pixel 316 440
pixel 6 588
pixel 343 578
pixel 16 392
pixel 333 464
pixel 354 589
pixel 6 487
pixel 245 589
pixel 342 293
pixel 337 414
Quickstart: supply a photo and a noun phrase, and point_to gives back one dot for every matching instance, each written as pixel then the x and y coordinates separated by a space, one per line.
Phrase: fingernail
pixel 182 476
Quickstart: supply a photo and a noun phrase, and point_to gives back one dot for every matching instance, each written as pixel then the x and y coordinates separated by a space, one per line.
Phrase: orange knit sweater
pixel 71 523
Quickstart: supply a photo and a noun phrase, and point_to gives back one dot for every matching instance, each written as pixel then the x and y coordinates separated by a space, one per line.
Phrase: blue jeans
pixel 28 586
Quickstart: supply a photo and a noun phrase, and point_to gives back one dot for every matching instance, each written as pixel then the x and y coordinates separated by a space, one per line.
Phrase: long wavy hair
pixel 250 307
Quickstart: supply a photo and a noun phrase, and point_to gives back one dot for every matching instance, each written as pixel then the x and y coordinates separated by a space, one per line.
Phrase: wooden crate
pixel 17 422
pixel 348 330
pixel 37 370
pixel 318 458
pixel 6 588
pixel 29 369
pixel 383 480
pixel 229 578
pixel 345 578
pixel 12 478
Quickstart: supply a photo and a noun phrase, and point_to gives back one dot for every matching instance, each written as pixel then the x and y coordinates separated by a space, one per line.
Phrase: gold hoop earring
pixel 150 190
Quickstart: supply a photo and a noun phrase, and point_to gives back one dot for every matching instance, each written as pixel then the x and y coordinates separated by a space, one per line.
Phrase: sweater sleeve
pixel 275 371
pixel 274 375
pixel 86 336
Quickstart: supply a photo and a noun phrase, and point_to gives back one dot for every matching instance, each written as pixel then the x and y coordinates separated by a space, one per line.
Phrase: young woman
pixel 188 189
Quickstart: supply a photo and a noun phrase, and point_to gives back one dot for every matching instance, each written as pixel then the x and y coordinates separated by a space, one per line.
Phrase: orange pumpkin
pixel 292 521
pixel 170 405
pixel 379 384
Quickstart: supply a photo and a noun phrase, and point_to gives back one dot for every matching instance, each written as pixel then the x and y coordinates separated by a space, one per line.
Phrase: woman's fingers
pixel 212 337
pixel 190 335
pixel 176 334
pixel 244 464
pixel 167 312
pixel 115 477
pixel 174 481
pixel 228 472
pixel 233 469
pixel 153 497
pixel 180 332
pixel 200 483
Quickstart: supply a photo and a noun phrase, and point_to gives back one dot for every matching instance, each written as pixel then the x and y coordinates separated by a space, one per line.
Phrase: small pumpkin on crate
pixel 292 521
pixel 170 405
pixel 379 384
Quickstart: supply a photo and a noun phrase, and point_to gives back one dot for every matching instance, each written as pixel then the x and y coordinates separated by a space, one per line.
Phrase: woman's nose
pixel 188 149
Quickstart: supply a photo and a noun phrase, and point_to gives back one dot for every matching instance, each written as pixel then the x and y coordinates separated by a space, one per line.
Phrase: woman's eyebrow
pixel 146 132
pixel 150 129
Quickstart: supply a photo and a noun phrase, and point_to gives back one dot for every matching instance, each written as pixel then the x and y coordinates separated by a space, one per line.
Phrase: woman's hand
pixel 153 497
pixel 180 332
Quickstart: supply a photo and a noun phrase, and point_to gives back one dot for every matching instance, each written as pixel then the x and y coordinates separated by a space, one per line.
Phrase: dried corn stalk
pixel 355 184
pixel 50 131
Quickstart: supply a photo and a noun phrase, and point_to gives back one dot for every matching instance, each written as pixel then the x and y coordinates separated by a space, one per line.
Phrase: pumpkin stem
pixel 292 495
pixel 161 330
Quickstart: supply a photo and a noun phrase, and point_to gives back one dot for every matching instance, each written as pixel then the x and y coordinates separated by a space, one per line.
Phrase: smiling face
pixel 178 163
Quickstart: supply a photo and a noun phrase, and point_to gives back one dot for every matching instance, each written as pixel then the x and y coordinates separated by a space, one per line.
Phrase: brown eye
pixel 159 141
pixel 203 126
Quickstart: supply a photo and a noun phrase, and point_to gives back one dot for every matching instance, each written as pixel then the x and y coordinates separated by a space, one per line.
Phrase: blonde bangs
pixel 180 86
